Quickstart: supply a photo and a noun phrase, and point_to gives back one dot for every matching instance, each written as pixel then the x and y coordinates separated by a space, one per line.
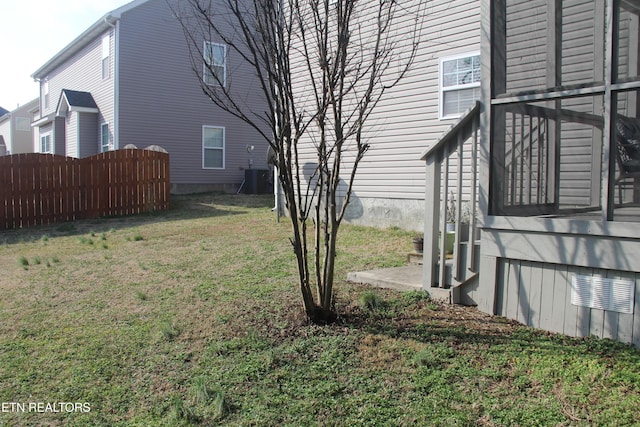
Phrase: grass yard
pixel 192 317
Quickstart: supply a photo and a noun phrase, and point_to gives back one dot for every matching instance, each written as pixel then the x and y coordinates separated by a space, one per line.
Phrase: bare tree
pixel 322 66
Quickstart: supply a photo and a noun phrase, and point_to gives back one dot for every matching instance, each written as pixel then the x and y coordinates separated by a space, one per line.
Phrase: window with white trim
pixel 459 84
pixel 45 93
pixel 213 147
pixel 23 124
pixel 105 56
pixel 215 64
pixel 105 144
pixel 45 143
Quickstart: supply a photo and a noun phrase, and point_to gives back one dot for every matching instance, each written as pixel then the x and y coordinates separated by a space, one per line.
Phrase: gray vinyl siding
pixel 161 101
pixel 17 139
pixel 539 295
pixel 83 72
pixel 87 130
pixel 526 53
pixel 407 122
pixel 59 136
pixel 5 132
pixel 71 130
pixel 526 275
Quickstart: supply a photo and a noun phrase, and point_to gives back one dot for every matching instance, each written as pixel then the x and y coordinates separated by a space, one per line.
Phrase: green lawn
pixel 193 317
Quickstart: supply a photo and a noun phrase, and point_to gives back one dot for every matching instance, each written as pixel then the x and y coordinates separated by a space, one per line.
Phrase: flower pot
pixel 449 240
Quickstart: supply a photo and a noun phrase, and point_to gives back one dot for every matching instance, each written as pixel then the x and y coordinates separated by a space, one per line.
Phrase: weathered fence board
pixel 38 189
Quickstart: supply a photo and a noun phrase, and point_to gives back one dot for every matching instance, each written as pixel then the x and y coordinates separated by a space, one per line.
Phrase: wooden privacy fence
pixel 37 189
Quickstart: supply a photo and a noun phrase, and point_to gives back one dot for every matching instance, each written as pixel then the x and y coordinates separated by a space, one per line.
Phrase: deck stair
pixel 452 181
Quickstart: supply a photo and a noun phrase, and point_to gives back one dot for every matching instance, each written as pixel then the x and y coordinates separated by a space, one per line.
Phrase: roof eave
pixel 44 120
pixel 78 43
pixel 84 110
pixel 83 39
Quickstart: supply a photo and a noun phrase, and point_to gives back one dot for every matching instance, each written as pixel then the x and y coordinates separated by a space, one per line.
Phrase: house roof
pixel 99 27
pixel 73 100
pixel 3 111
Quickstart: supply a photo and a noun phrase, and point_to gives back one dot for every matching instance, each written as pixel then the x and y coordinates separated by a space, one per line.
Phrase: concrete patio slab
pixel 406 278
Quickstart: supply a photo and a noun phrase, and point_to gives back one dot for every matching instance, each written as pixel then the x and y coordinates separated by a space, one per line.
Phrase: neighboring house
pixel 443 82
pixel 3 144
pixel 128 79
pixel 558 190
pixel 16 133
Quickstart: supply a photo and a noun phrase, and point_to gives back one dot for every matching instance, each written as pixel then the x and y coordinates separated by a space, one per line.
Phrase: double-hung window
pixel 104 138
pixel 459 84
pixel 23 124
pixel 213 147
pixel 45 93
pixel 215 64
pixel 105 57
pixel 45 143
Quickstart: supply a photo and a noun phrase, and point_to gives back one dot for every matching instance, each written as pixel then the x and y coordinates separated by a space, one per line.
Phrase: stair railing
pixel 451 167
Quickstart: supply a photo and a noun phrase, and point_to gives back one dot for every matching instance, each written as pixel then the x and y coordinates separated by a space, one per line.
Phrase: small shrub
pixel 85 240
pixel 180 410
pixel 218 405
pixel 24 262
pixel 213 401
pixel 370 301
pixel 44 238
pixel 37 261
pixel 200 391
pixel 55 260
pixel 414 297
pixel 137 238
pixel 169 331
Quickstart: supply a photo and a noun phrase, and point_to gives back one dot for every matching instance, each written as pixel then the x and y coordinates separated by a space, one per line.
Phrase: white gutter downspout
pixel 116 82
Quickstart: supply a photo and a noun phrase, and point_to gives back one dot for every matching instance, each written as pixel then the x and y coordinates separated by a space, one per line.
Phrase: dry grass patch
pixel 200 322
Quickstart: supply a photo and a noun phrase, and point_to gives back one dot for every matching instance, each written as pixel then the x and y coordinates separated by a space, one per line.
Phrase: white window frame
pixel 45 91
pixel 210 80
pixel 442 89
pixel 108 147
pixel 49 136
pixel 23 124
pixel 223 148
pixel 105 64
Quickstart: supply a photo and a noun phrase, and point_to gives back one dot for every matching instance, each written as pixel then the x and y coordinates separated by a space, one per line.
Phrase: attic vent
pixel 604 294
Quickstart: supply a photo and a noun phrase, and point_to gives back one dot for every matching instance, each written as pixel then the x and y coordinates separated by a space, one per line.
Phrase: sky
pixel 32 32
